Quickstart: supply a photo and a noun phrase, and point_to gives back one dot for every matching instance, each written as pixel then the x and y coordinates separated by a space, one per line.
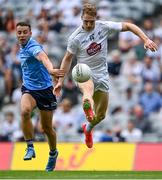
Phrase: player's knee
pixel 100 116
pixel 47 129
pixel 25 112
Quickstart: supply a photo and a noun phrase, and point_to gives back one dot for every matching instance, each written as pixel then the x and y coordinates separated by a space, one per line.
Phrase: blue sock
pixel 30 143
pixel 52 152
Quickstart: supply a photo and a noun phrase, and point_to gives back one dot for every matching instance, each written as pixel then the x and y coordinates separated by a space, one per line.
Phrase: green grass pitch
pixel 80 175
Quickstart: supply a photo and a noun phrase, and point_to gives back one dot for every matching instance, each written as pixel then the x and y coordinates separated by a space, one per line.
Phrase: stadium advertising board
pixel 76 156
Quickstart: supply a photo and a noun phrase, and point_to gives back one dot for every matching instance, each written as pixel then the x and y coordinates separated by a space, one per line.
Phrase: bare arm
pixel 148 44
pixel 45 60
pixel 42 57
pixel 66 64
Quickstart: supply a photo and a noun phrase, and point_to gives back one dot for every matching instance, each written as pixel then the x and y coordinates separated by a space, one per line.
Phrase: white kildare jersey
pixel 90 47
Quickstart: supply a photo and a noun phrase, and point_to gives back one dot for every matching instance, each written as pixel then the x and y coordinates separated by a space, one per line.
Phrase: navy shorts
pixel 45 98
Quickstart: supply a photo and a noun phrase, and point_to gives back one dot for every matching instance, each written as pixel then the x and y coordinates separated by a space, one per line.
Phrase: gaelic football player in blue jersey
pixel 37 90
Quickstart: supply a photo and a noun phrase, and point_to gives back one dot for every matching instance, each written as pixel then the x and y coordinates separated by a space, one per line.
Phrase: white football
pixel 81 72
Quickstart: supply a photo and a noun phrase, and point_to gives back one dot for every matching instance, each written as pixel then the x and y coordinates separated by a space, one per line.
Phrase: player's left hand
pixel 149 44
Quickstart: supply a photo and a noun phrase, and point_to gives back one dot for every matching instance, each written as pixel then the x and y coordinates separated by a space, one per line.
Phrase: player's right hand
pixel 57 73
pixel 149 44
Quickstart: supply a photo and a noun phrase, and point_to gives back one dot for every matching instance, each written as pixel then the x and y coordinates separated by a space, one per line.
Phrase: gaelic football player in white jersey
pixel 89 43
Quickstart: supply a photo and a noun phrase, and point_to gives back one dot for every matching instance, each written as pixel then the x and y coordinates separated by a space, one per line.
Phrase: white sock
pixel 89 127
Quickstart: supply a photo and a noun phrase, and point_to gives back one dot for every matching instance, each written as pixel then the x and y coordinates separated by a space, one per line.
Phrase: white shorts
pixel 101 84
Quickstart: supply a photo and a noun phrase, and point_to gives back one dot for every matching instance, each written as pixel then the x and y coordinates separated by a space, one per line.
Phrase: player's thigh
pixel 27 103
pixel 87 86
pixel 101 100
pixel 46 119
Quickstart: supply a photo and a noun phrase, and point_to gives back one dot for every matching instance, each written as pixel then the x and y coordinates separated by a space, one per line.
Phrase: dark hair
pixel 23 24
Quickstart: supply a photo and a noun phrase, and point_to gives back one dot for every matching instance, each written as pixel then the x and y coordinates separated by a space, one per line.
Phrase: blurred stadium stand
pixel 131 68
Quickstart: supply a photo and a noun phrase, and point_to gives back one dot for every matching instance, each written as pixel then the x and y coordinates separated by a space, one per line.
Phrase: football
pixel 81 72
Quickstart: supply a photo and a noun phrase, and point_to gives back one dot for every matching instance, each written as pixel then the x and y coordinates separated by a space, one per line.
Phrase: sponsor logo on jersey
pixel 93 48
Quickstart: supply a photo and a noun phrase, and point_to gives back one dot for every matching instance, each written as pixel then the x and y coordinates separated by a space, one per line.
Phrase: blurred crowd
pixel 135 107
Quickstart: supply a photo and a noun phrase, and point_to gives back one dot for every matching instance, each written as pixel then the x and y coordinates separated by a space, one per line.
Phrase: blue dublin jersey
pixel 35 75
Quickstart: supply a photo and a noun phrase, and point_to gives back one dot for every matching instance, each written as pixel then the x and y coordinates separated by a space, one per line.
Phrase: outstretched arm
pixel 148 43
pixel 65 65
pixel 42 57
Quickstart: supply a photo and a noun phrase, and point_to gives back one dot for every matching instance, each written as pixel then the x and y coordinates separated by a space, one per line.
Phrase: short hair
pixel 89 9
pixel 23 24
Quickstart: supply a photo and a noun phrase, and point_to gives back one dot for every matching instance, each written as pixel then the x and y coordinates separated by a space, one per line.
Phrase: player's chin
pixel 89 29
pixel 22 42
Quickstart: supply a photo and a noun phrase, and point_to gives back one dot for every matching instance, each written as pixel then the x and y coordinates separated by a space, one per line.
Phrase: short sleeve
pixel 112 27
pixel 35 49
pixel 72 46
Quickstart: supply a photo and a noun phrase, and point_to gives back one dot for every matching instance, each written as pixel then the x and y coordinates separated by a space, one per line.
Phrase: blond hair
pixel 89 9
